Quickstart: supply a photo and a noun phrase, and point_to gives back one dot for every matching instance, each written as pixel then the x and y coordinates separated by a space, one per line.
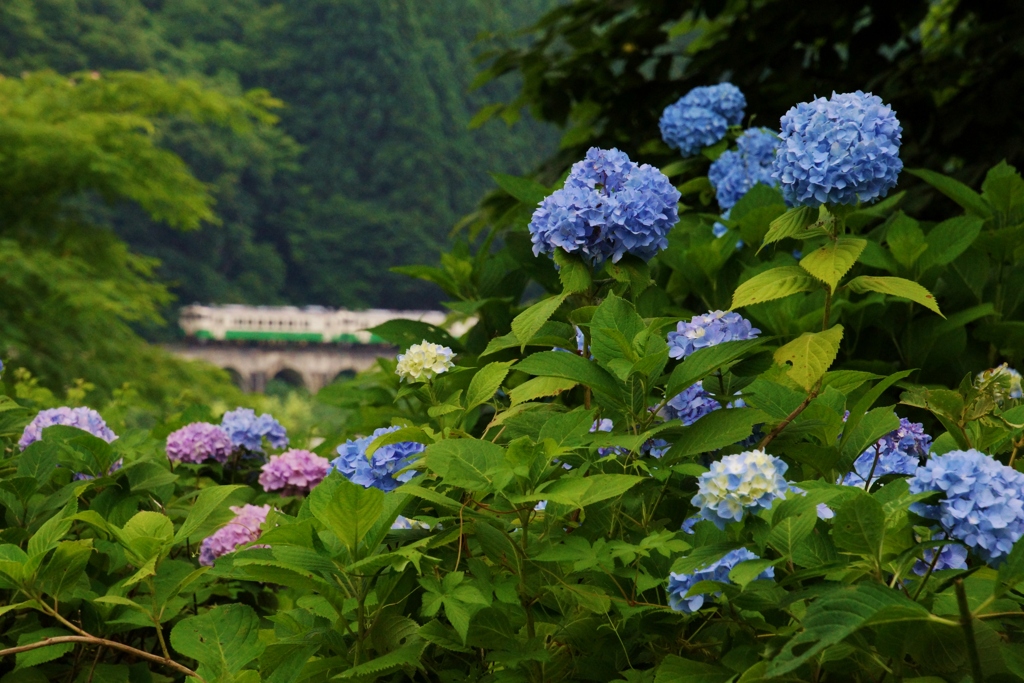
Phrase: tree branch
pixel 789 418
pixel 103 642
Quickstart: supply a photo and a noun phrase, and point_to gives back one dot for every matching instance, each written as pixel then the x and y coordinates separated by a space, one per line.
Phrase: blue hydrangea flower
pixel 247 431
pixel 982 502
pixel 606 425
pixel 688 524
pixel 680 584
pixel 1003 380
pixel 694 403
pixel 725 99
pixel 951 556
pixel 736 171
pixel 655 447
pixel 898 452
pixel 737 483
pixel 580 345
pixel 379 470
pixel 608 207
pixel 839 151
pixel 691 129
pixel 709 329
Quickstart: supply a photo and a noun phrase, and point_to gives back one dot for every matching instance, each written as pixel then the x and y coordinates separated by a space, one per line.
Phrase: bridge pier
pixel 317 366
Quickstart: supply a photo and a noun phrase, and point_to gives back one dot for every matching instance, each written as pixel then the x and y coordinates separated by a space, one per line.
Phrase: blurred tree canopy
pixel 71 288
pixel 371 166
pixel 952 69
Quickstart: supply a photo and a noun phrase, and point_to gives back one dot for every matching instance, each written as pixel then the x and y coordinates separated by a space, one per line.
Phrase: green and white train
pixel 312 324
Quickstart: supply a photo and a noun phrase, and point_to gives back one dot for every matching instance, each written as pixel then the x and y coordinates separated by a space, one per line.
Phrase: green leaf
pixel 613 328
pixel 526 190
pixel 789 224
pixel 485 383
pixel 540 387
pixel 675 669
pixel 773 284
pixel 571 366
pixel 526 324
pixel 894 286
pixel 859 526
pixel 207 502
pixel 703 362
pixel 582 491
pixel 348 510
pixel 835 615
pixel 24 660
pixel 811 354
pixel 864 433
pixel 573 272
pixel 906 239
pixel 970 200
pixel 832 261
pixel 49 534
pixel 404 434
pixel 748 570
pixel 1011 571
pixel 405 333
pixel 222 640
pixel 797 524
pixel 715 430
pixel 471 464
pixel 949 239
pixel 407 656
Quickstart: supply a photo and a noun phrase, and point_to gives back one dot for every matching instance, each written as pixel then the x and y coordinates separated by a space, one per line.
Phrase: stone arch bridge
pixel 312 367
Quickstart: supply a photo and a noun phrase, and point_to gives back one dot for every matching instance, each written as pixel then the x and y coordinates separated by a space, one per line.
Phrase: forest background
pixel 265 152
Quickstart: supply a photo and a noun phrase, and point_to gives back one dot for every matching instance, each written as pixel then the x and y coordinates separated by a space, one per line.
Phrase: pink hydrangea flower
pixel 293 472
pixel 197 442
pixel 244 528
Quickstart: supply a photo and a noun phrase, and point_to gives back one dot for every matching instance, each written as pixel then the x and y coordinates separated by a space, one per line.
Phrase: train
pixel 310 324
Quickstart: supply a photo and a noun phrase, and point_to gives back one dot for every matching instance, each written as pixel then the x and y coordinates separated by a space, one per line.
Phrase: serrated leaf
pixel 407 656
pixel 571 366
pixel 950 238
pixel 811 354
pixel 705 361
pixel 832 261
pixel 955 190
pixel 223 640
pixel 540 387
pixel 675 669
pixel 715 430
pixel 207 502
pixel 859 526
pixel 895 286
pixel 526 325
pixel 582 491
pixel 773 284
pixel 471 464
pixel 348 510
pixel 789 224
pixel 748 570
pixel 485 383
pixel 573 273
pixel 526 190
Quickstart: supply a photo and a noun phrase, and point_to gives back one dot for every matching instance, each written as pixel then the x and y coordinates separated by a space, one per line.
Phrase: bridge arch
pixel 290 377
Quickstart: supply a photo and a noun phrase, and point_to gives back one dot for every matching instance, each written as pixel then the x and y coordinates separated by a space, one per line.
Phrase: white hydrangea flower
pixel 739 482
pixel 1002 375
pixel 424 361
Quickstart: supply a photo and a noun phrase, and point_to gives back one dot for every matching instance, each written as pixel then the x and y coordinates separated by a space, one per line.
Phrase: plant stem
pixel 967 623
pixel 789 418
pixel 828 309
pixel 103 642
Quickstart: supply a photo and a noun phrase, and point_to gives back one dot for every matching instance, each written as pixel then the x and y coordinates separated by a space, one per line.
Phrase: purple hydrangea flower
pixel 114 467
pixel 198 442
pixel 608 207
pixel 247 431
pixel 244 528
pixel 680 584
pixel 379 470
pixel 736 171
pixel 293 472
pixel 842 150
pixel 408 524
pixel 898 452
pixel 982 502
pixel 709 329
pixel 85 419
pixel 700 118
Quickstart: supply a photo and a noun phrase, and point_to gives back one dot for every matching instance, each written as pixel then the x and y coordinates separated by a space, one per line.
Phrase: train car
pixel 312 324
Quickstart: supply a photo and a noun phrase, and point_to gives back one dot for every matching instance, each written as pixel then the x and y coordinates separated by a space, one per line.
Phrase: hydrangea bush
pixel 487 508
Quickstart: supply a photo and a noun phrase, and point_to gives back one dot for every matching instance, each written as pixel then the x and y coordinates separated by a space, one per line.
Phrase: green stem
pixel 967 624
pixel 828 309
